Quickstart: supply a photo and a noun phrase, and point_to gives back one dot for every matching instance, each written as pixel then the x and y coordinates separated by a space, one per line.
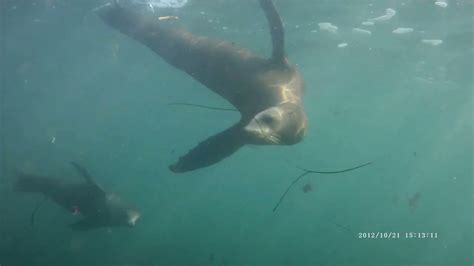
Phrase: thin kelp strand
pixel 288 189
pixel 33 215
pixel 334 172
pixel 308 171
pixel 204 106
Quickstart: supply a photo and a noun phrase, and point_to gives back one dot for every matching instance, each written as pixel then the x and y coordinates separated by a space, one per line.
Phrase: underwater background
pixel 74 89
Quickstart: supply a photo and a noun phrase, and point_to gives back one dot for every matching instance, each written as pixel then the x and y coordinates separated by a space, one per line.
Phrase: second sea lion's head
pixel 124 217
pixel 283 124
pixel 132 217
pixel 120 213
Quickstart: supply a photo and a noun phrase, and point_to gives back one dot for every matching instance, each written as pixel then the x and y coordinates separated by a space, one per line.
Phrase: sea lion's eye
pixel 268 119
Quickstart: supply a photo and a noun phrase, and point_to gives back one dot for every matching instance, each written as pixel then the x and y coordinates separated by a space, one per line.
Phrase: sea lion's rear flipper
pixel 126 20
pixel 34 183
pixel 213 63
pixel 211 151
pixel 84 173
pixel 276 30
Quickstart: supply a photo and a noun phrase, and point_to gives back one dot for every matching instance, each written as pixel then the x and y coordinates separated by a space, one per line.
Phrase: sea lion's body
pixel 87 199
pixel 250 83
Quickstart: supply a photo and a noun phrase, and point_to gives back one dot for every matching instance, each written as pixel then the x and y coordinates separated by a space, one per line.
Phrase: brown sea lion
pixel 266 92
pixel 86 199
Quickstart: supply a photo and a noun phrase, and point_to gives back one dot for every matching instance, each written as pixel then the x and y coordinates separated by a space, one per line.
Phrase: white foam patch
pixel 389 13
pixel 433 42
pixel 441 4
pixel 161 3
pixel 361 31
pixel 403 30
pixel 326 26
pixel 342 45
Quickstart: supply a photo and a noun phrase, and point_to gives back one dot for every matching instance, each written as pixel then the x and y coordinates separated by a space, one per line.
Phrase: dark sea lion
pixel 266 92
pixel 87 199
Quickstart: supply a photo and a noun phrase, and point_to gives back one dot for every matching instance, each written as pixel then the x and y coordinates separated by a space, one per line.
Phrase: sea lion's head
pixel 283 124
pixel 124 217
pixel 132 217
pixel 121 213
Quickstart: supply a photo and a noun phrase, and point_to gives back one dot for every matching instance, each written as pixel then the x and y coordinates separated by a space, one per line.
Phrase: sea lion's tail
pixel 276 30
pixel 32 183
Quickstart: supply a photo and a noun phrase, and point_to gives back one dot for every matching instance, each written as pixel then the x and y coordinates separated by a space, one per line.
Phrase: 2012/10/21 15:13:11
pixel 421 235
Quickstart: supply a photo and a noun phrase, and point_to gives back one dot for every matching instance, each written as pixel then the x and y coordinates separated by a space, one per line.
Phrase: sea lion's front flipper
pixel 84 173
pixel 211 151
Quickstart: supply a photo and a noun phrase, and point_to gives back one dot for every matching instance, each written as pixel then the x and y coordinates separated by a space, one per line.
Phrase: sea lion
pixel 266 92
pixel 87 199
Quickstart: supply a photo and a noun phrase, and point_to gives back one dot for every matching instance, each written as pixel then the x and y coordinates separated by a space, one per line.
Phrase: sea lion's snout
pixel 284 124
pixel 133 217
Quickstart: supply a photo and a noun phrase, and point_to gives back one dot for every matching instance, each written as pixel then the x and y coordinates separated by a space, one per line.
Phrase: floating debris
pixel 413 201
pixel 433 42
pixel 389 13
pixel 342 45
pixel 101 7
pixel 441 4
pixel 160 3
pixel 53 140
pixel 307 188
pixel 152 9
pixel 167 17
pixel 402 30
pixel 328 27
pixel 368 23
pixel 361 31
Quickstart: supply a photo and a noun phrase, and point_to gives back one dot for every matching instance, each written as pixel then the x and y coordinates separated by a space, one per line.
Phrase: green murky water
pixel 75 90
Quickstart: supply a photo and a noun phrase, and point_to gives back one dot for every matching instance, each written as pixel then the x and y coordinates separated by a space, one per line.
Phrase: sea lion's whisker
pixel 275 139
pixel 262 129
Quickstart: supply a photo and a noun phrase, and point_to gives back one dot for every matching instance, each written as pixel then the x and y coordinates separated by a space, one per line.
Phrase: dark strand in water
pixel 334 172
pixel 308 171
pixel 33 215
pixel 204 106
pixel 343 227
pixel 213 108
pixel 3 88
pixel 288 189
